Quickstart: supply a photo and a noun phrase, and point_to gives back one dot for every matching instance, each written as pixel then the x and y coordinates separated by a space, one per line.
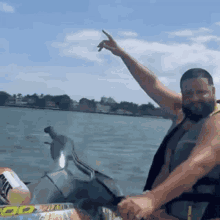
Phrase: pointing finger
pixel 108 35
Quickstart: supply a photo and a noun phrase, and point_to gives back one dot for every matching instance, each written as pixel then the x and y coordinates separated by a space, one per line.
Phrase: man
pixel 12 190
pixel 188 159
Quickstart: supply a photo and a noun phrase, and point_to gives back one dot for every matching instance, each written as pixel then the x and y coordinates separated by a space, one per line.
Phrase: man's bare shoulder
pixel 177 117
pixel 170 101
pixel 207 151
pixel 212 123
pixel 210 132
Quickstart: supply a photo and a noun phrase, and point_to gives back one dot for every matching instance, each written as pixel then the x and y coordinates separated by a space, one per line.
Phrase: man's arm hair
pixel 168 100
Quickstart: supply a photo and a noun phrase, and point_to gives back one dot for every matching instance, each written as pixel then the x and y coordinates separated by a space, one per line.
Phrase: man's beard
pixel 197 113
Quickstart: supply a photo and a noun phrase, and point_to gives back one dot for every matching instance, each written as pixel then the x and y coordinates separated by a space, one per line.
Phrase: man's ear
pixel 213 90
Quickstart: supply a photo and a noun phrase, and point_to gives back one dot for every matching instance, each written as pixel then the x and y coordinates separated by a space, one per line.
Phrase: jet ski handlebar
pixel 82 166
pixel 79 164
pixel 101 191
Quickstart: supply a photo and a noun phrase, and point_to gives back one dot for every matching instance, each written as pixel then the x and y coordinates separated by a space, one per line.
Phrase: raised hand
pixel 111 45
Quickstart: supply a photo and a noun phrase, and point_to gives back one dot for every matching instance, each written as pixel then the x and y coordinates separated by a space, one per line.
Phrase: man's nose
pixel 195 98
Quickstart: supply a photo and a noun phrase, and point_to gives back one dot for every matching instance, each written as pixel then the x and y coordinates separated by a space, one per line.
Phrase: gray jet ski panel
pixel 89 191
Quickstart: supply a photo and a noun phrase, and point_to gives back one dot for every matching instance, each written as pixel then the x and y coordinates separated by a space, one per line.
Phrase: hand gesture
pixel 110 45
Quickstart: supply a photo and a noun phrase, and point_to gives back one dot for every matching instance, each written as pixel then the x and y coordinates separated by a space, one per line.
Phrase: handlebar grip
pixel 47 129
pixel 117 200
pixel 50 130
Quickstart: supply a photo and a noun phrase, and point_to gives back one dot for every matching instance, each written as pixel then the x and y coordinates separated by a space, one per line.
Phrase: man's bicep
pixel 170 101
pixel 210 131
pixel 207 150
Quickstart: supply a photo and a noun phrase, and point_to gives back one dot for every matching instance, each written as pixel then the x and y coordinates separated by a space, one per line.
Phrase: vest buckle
pixel 189 214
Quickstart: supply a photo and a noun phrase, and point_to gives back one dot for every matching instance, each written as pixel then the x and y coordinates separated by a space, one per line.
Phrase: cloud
pixel 171 55
pixel 83 36
pixel 33 79
pixel 204 30
pixel 170 60
pixel 166 80
pixel 128 33
pixel 162 58
pixel 74 81
pixel 6 8
pixel 189 33
pixel 118 75
pixel 204 39
pixel 82 44
pixel 217 23
pixel 32 76
pixel 183 33
pixel 167 60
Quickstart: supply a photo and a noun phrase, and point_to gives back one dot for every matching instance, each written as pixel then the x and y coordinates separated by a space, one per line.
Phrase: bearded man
pixel 183 182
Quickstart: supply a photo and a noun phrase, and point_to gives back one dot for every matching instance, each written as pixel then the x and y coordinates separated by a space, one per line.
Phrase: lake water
pixel 120 146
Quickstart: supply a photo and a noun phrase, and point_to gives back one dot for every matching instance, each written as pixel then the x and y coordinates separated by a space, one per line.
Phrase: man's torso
pixel 171 145
pixel 169 150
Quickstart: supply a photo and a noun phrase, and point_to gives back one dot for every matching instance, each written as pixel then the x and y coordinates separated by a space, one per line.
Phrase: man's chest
pixel 171 145
pixel 174 140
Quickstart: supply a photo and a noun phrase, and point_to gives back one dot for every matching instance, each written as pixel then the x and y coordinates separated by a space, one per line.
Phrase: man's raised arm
pixel 169 100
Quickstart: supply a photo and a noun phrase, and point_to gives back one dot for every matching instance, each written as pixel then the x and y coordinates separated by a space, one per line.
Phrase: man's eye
pixel 200 92
pixel 188 93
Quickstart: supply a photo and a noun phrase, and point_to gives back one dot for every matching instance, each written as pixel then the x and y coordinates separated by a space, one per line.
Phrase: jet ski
pixel 66 189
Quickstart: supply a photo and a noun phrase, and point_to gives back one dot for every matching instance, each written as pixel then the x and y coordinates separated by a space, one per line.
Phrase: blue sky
pixel 50 47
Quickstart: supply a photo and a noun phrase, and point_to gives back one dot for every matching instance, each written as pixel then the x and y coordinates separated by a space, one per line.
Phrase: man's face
pixel 198 98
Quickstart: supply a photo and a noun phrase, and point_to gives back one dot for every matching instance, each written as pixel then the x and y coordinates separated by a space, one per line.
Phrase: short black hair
pixel 196 73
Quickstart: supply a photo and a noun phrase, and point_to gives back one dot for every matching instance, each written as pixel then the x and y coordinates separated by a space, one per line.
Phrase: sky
pixel 50 47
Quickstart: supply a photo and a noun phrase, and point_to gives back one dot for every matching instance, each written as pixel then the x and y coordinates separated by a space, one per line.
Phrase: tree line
pixel 64 102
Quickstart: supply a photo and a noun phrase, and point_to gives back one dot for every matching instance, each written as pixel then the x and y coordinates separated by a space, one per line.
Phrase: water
pixel 120 146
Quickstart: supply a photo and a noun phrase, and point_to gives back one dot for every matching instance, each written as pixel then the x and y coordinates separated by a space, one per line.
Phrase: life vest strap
pixel 205 197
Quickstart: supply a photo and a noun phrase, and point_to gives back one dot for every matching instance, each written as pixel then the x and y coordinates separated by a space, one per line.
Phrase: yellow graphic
pixel 48 208
pixel 20 210
pixel 56 207
pixel 16 210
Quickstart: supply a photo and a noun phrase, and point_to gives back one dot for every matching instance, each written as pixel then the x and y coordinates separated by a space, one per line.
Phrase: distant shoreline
pixel 57 109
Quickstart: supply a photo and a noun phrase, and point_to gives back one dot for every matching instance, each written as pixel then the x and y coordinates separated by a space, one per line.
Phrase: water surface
pixel 120 146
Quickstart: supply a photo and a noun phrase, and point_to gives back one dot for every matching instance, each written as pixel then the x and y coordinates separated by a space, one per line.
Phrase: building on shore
pixel 74 105
pixel 31 101
pixel 19 101
pixel 102 108
pixel 105 100
pixel 123 112
pixel 50 104
pixel 10 101
pixel 86 108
